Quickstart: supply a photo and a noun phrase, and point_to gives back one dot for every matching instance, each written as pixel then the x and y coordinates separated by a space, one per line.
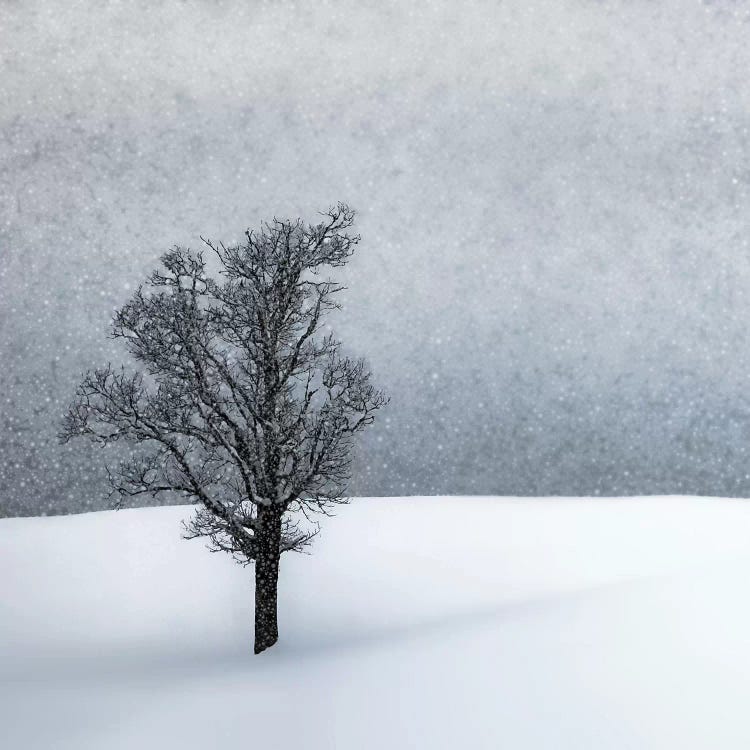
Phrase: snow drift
pixel 414 623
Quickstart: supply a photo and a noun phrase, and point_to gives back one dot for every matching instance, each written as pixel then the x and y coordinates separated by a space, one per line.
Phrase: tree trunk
pixel 267 577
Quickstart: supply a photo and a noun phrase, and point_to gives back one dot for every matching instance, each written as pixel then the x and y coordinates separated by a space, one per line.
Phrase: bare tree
pixel 241 404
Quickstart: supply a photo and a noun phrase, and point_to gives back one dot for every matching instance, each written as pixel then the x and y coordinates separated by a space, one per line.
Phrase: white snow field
pixel 459 622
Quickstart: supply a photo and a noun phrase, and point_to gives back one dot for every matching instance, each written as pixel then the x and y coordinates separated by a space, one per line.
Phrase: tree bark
pixel 267 577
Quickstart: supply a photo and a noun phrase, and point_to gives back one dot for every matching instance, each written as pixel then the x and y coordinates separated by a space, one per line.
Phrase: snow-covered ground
pixel 415 623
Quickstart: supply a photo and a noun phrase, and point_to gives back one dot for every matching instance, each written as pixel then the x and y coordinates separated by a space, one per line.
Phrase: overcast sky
pixel 553 200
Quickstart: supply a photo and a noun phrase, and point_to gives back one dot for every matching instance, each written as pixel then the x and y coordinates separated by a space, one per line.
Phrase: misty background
pixel 553 280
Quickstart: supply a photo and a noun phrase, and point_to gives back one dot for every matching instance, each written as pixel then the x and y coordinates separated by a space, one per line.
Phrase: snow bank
pixel 414 623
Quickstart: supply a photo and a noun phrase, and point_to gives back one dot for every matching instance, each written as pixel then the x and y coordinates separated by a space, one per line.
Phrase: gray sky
pixel 553 201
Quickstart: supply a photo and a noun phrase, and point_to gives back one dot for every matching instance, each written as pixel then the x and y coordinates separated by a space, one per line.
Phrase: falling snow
pixel 553 200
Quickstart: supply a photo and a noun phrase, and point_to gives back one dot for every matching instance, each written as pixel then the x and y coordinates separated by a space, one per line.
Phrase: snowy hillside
pixel 415 623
